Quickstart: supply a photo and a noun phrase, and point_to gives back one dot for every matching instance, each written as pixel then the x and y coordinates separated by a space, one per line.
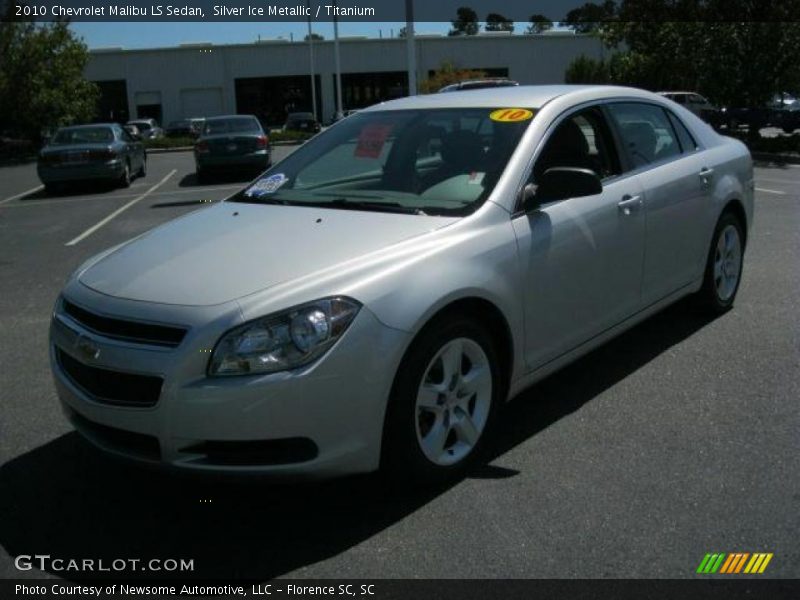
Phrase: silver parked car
pixel 371 300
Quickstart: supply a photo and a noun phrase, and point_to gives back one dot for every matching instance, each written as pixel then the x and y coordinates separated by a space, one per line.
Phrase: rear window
pixel 217 126
pixel 84 135
pixel 142 125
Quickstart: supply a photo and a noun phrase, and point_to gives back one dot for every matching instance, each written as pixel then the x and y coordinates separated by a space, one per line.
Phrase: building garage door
pixel 201 102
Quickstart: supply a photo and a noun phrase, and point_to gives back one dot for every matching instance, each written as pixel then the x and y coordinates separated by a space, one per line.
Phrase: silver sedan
pixel 370 301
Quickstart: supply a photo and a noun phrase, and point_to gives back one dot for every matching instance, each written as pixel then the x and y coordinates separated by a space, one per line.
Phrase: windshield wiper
pixel 243 197
pixel 348 204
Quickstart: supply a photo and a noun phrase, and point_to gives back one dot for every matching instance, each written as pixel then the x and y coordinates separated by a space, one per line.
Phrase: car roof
pixel 523 96
pixel 89 125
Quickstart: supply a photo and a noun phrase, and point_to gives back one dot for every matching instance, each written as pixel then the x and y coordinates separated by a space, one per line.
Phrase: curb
pixel 190 148
pixel 791 159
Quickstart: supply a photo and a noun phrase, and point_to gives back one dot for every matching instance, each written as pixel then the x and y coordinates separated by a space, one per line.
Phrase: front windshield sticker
pixel 510 115
pixel 268 185
pixel 371 140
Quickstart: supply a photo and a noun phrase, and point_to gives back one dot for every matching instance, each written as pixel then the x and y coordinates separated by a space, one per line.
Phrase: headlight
pixel 284 340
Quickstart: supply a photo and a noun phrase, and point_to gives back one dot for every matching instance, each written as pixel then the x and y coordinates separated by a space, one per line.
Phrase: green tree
pixel 465 23
pixel 41 78
pixel 497 22
pixel 446 74
pixel 315 37
pixel 734 63
pixel 538 24
pixel 585 69
pixel 736 52
pixel 589 17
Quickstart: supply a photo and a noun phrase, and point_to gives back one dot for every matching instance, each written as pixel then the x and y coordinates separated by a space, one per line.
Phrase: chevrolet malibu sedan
pixel 232 142
pixel 100 152
pixel 371 301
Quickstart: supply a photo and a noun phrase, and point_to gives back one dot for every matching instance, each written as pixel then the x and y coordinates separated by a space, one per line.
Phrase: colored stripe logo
pixel 735 562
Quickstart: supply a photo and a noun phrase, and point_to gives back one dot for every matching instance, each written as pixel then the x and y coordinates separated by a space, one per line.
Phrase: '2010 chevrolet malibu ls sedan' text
pixel 372 299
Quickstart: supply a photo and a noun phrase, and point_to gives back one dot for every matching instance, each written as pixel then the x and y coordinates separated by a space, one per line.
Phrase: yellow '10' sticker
pixel 510 115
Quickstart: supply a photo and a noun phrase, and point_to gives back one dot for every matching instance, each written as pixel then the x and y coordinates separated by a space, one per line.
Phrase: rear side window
pixel 684 137
pixel 646 131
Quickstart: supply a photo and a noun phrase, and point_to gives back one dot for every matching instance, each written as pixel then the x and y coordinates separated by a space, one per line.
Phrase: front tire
pixel 125 180
pixel 723 271
pixel 443 402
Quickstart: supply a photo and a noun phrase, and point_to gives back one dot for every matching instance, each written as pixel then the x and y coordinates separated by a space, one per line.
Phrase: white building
pixel 270 78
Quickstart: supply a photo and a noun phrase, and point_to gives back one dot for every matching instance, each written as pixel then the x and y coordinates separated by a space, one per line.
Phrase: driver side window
pixel 582 140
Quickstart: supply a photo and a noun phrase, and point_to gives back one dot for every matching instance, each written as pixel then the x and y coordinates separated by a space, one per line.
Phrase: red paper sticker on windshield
pixel 371 140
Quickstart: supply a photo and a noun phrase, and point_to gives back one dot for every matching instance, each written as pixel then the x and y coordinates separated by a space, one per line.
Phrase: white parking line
pixel 30 191
pixel 120 210
pixel 771 191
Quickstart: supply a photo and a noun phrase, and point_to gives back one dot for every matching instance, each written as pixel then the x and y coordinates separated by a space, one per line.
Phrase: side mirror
pixel 560 183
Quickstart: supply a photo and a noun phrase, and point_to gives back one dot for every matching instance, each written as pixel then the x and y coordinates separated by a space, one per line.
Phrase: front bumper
pixel 110 170
pixel 322 420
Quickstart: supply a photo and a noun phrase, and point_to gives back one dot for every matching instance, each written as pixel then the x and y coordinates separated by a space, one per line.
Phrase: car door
pixel 676 186
pixel 581 257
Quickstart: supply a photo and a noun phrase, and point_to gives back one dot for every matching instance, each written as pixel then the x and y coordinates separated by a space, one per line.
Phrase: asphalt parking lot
pixel 680 438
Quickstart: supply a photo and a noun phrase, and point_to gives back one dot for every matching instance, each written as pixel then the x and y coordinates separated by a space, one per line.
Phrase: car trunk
pixel 233 144
pixel 77 154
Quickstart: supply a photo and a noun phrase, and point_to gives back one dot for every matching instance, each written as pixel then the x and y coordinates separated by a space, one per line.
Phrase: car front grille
pixel 111 387
pixel 130 331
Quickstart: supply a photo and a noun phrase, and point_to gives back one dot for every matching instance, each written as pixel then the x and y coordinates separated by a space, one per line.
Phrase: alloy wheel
pixel 453 402
pixel 727 262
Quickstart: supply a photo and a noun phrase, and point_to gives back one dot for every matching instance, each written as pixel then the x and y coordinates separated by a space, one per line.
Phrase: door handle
pixel 705 173
pixel 629 204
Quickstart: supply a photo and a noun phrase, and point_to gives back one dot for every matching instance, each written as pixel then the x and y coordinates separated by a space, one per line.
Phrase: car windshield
pixel 216 126
pixel 142 125
pixel 83 135
pixel 432 162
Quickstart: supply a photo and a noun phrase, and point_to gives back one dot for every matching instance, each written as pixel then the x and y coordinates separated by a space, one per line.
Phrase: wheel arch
pixel 489 314
pixel 734 205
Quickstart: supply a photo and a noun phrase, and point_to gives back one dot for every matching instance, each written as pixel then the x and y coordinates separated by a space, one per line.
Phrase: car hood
pixel 231 250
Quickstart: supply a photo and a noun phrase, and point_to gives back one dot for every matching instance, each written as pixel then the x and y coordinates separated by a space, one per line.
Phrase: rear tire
pixel 723 271
pixel 443 402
